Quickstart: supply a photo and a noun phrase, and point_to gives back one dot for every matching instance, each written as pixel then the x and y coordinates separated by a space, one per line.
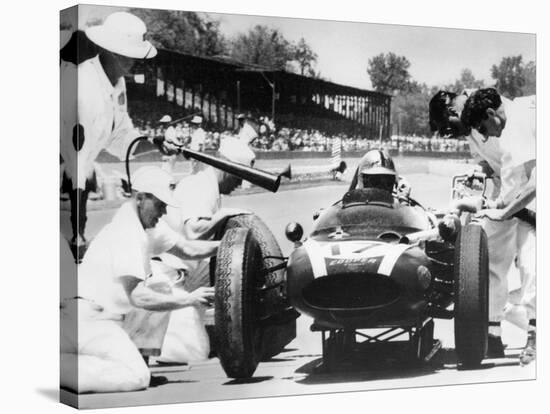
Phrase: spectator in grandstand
pixel 169 160
pixel 198 136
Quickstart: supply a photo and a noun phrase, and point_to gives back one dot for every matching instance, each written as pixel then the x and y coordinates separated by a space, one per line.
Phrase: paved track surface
pixel 294 371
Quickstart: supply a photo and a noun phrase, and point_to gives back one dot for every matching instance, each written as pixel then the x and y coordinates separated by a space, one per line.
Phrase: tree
pixel 264 46
pixel 182 31
pixel 305 57
pixel 409 109
pixel 467 80
pixel 530 76
pixel 389 73
pixel 509 76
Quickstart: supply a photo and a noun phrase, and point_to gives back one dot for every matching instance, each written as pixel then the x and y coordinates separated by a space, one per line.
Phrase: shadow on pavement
pixel 158 380
pixel 289 350
pixel 252 380
pixel 370 362
pixel 386 363
pixel 352 372
pixel 280 359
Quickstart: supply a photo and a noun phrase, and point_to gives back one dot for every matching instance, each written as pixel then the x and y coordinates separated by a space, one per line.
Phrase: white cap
pixel 166 118
pixel 196 119
pixel 122 33
pixel 156 181
pixel 236 150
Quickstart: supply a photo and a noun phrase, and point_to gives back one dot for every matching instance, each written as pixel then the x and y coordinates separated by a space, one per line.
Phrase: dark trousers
pixel 79 199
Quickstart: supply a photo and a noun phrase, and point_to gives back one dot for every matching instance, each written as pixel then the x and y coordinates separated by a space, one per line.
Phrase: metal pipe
pixel 261 178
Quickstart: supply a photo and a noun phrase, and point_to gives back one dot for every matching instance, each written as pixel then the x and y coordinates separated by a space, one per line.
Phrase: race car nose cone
pixel 294 232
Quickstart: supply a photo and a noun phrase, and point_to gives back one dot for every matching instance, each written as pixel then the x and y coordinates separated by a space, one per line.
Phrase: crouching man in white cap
pixel 113 279
pixel 94 112
pixel 198 216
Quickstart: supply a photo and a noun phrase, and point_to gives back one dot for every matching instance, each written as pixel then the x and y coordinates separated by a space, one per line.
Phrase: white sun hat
pixel 196 119
pixel 122 33
pixel 156 181
pixel 166 118
pixel 236 150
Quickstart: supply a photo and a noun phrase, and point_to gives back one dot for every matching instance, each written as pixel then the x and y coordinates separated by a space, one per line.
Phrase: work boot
pixel 529 353
pixel 495 348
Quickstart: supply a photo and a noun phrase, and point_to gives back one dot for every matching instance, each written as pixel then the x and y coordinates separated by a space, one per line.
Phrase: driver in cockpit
pixel 377 170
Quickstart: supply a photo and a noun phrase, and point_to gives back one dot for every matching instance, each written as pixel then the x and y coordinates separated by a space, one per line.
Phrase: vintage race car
pixel 372 262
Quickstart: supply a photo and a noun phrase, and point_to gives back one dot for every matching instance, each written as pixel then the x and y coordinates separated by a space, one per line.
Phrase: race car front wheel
pixel 274 301
pixel 238 334
pixel 471 286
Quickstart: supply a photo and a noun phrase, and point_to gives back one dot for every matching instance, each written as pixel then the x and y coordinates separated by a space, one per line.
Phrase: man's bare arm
pixel 142 296
pixel 206 227
pixel 500 210
pixel 522 198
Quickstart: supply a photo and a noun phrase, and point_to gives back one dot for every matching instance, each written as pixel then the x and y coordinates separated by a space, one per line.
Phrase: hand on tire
pixel 202 296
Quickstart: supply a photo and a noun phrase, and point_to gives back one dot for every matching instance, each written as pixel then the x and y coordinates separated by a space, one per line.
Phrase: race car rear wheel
pixel 274 299
pixel 471 286
pixel 238 333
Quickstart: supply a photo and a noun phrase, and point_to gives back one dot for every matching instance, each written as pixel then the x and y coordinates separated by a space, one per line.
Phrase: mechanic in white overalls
pixel 113 280
pixel 94 112
pixel 513 123
pixel 198 216
pixel 445 110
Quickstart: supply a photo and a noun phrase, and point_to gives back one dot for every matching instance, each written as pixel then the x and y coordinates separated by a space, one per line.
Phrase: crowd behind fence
pixel 293 139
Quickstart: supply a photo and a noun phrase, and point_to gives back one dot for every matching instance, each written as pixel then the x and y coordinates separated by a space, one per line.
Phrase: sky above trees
pixel 437 56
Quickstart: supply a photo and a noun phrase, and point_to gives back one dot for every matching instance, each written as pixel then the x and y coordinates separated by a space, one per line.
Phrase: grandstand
pixel 220 88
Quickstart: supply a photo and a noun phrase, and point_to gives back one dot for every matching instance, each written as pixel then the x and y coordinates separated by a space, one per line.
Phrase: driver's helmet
pixel 376 170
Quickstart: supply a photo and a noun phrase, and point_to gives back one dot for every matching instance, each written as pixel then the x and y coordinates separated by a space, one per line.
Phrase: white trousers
pixel 105 357
pixel 186 339
pixel 507 240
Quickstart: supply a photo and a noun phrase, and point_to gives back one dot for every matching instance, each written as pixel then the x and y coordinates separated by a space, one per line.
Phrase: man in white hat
pixel 94 112
pixel 113 279
pixel 198 136
pixel 198 216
